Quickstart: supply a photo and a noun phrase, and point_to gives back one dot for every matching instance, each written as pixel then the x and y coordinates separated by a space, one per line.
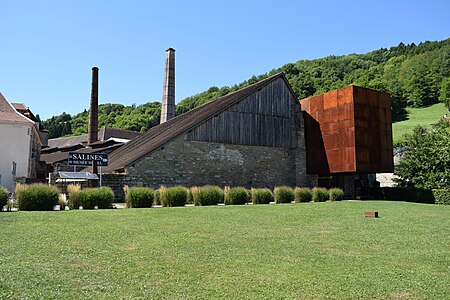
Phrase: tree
pixel 426 160
pixel 444 95
pixel 412 75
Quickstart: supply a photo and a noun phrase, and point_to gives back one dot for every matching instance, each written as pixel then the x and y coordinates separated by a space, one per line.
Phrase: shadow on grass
pixel 402 115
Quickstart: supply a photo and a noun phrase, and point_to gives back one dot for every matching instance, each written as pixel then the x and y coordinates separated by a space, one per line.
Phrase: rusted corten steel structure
pixel 348 131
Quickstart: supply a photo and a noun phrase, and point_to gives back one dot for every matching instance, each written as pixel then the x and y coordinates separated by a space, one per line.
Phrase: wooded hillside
pixel 414 75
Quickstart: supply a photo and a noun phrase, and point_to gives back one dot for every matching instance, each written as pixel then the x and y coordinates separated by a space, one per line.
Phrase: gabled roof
pixel 19 106
pixel 68 141
pixel 50 156
pixel 104 134
pixel 161 134
pixel 24 110
pixel 9 114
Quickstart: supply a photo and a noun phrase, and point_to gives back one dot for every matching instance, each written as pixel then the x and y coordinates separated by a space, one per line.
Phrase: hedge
pixel 442 197
pixel 37 197
pixel 3 197
pixel 435 196
pixel 407 194
pixel 138 197
pixel 261 196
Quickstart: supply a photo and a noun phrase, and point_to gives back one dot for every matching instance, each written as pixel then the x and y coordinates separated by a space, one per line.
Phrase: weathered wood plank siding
pixel 261 119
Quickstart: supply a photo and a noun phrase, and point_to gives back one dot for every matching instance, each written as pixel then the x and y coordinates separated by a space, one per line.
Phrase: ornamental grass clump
pixel 173 196
pixel 207 195
pixel 302 195
pixel 138 197
pixel 236 196
pixel 283 194
pixel 261 196
pixel 74 195
pixel 62 200
pixel 336 194
pixel 3 197
pixel 319 194
pixel 37 197
pixel 101 197
pixel 157 199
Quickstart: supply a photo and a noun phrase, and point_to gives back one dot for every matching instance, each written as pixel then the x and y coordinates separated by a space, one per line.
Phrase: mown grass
pixel 418 116
pixel 291 251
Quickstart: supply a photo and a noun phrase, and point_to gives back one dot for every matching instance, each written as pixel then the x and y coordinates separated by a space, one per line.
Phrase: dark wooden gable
pixel 189 122
pixel 263 118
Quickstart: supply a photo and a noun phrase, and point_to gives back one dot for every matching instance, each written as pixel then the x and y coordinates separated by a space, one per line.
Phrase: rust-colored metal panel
pixel 345 95
pixel 348 130
pixel 372 98
pixel 317 103
pixel 359 95
pixel 331 101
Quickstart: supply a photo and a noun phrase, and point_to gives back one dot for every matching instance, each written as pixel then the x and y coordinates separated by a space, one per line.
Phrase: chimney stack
pixel 93 111
pixel 168 99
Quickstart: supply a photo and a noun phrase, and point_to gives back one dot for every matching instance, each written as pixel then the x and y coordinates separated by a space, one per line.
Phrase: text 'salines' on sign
pixel 86 159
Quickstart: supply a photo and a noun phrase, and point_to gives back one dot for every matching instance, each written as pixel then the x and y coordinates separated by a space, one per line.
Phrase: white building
pixel 19 147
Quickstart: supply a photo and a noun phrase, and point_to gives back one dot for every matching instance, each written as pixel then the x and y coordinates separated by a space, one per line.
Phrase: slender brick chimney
pixel 93 111
pixel 168 99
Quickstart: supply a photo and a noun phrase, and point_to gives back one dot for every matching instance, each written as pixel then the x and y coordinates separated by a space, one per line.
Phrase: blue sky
pixel 47 48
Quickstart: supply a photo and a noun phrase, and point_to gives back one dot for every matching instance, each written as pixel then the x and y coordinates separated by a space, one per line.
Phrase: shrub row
pixel 213 195
pixel 435 196
pixel 44 197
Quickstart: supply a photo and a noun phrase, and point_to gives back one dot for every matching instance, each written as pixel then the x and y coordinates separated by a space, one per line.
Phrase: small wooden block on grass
pixel 373 214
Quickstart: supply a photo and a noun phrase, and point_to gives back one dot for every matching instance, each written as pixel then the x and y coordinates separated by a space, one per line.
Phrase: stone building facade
pixel 252 138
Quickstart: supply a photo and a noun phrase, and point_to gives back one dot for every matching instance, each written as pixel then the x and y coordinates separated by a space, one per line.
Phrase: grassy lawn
pixel 290 251
pixel 418 116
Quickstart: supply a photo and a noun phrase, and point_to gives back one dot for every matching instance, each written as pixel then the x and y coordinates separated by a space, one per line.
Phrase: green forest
pixel 414 76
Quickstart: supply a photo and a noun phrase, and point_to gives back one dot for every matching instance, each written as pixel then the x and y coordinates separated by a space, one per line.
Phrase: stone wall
pixel 117 182
pixel 190 163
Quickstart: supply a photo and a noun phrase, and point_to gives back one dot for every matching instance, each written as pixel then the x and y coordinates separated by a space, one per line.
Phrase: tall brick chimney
pixel 93 111
pixel 168 99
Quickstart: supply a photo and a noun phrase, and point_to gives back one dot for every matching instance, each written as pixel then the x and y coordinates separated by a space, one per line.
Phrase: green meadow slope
pixel 418 116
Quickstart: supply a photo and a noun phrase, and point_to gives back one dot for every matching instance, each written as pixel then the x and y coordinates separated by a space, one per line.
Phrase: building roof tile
pixel 9 114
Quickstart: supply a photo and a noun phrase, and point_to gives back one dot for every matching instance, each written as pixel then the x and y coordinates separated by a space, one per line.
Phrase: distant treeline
pixel 414 76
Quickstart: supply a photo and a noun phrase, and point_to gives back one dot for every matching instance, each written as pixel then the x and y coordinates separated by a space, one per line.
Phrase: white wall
pixel 14 146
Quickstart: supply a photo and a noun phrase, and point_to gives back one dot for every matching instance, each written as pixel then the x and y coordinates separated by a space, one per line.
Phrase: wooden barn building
pixel 253 137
